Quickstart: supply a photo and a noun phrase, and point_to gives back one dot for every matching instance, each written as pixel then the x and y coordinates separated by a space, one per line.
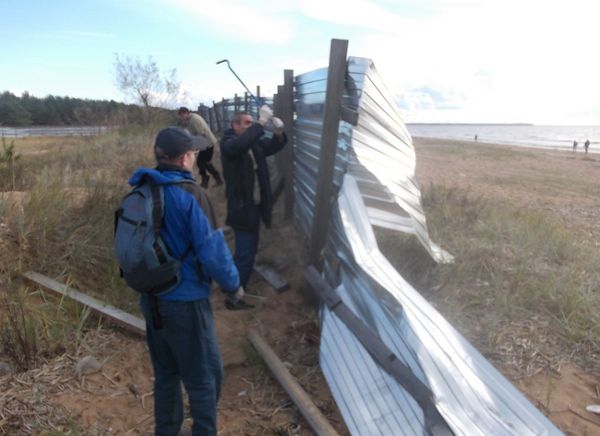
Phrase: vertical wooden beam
pixel 279 156
pixel 329 135
pixel 224 113
pixel 211 119
pixel 235 102
pixel 245 101
pixel 217 116
pixel 287 116
pixel 258 98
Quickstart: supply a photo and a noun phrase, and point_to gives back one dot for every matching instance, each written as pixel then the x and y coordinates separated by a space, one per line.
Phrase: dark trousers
pixel 246 245
pixel 184 350
pixel 205 167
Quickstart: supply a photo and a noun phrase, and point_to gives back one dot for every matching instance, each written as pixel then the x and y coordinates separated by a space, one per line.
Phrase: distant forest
pixel 28 110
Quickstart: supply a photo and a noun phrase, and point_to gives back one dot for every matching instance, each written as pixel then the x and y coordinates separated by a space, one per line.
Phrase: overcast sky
pixel 444 61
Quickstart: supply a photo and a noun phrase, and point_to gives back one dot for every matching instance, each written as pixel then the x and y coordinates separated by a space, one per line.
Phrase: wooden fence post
pixel 217 116
pixel 224 113
pixel 286 105
pixel 257 99
pixel 211 119
pixel 329 135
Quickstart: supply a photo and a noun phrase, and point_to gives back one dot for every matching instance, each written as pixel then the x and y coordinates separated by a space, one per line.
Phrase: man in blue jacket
pixel 183 345
pixel 244 149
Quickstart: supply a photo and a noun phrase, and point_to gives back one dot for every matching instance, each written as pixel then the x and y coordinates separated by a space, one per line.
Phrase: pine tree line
pixel 28 110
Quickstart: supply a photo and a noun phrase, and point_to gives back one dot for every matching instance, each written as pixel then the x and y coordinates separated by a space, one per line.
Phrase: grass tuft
pixel 514 267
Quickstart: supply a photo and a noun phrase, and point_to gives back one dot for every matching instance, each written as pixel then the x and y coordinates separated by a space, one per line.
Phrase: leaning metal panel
pixel 374 173
pixel 473 397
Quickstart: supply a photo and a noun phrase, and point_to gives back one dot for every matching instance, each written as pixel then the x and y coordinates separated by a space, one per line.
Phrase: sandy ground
pixel 118 400
pixel 561 183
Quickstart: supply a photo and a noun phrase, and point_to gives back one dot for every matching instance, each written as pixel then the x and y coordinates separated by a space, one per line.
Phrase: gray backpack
pixel 146 262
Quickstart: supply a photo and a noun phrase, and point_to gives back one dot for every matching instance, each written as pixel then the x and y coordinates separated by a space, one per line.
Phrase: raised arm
pixel 235 146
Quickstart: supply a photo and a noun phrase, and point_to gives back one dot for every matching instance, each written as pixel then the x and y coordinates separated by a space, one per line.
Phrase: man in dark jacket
pixel 185 348
pixel 244 149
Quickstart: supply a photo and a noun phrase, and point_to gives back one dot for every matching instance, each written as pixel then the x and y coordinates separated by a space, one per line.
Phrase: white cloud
pixel 482 60
pixel 260 22
pixel 359 13
pixel 523 61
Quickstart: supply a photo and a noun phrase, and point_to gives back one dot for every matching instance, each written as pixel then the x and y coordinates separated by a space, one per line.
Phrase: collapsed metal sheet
pixel 378 152
pixel 374 172
pixel 473 397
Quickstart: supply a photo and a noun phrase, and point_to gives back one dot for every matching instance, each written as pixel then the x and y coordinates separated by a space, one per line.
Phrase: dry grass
pixel 59 222
pixel 524 289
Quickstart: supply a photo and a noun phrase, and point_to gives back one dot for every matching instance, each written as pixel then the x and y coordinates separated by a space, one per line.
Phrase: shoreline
pixel 517 145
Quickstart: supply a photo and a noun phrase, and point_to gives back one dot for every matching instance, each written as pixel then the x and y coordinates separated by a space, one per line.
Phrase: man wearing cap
pixel 198 127
pixel 244 149
pixel 185 348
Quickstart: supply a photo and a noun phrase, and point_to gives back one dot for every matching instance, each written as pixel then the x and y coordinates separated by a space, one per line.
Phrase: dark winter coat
pixel 242 157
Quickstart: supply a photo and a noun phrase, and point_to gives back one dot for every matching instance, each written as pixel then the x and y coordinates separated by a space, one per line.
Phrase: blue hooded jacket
pixel 185 223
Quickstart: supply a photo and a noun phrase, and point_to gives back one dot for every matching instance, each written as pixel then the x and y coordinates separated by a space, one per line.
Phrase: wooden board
pixel 116 316
pixel 270 276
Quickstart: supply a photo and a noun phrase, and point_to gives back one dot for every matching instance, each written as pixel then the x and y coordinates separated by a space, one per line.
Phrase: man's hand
pixel 278 125
pixel 265 113
pixel 235 302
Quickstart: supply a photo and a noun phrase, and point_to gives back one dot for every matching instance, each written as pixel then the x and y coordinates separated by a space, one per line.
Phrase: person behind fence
pixel 197 126
pixel 244 149
pixel 180 329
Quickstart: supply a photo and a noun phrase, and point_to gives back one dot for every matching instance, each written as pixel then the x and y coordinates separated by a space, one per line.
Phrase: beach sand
pixel 563 184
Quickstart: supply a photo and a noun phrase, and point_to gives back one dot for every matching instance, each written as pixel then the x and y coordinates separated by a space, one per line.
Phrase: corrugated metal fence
pixel 373 183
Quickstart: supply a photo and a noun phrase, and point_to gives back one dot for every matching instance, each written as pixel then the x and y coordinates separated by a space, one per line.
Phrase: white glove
pixel 239 294
pixel 277 125
pixel 265 113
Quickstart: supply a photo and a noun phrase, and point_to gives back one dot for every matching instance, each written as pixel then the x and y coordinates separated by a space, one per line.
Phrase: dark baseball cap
pixel 173 142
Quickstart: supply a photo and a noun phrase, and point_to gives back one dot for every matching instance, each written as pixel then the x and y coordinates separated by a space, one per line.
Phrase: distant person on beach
pixel 574 146
pixel 475 138
pixel 586 145
pixel 198 127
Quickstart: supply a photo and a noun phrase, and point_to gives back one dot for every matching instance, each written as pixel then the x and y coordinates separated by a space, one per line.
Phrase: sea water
pixel 551 137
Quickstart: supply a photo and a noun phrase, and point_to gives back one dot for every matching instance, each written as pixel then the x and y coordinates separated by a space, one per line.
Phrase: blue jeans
pixel 246 245
pixel 184 349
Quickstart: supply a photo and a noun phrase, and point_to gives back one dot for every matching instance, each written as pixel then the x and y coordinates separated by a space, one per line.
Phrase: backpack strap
pixel 158 212
pixel 201 197
pixel 157 219
pixel 157 209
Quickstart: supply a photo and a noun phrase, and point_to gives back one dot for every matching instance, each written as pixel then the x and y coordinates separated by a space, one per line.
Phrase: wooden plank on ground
pixel 270 276
pixel 317 421
pixel 116 316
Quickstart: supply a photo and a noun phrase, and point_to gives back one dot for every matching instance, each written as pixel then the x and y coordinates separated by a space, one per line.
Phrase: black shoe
pixel 204 182
pixel 237 305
